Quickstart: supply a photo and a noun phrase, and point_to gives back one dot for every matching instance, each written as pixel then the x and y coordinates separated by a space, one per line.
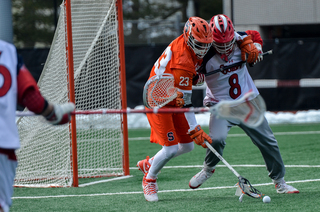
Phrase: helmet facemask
pixel 224 49
pixel 200 49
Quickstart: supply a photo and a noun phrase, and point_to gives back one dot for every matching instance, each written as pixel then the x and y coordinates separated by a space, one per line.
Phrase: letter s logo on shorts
pixel 170 136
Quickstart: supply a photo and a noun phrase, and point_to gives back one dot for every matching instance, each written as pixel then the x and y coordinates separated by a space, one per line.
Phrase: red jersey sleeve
pixel 28 92
pixel 255 36
pixel 25 81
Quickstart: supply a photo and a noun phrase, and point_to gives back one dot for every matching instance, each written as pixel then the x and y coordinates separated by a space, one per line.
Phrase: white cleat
pixel 198 179
pixel 150 189
pixel 284 188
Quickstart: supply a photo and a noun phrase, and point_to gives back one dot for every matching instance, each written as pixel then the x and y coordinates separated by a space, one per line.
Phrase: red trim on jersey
pixel 255 36
pixel 10 153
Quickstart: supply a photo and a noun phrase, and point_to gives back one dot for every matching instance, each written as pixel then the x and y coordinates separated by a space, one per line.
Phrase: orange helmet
pixel 198 36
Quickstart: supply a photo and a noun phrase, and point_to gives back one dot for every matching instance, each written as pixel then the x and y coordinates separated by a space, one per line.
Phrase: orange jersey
pixel 180 61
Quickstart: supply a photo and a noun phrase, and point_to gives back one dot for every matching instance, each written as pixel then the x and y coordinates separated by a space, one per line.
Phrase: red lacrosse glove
pixel 198 79
pixel 179 102
pixel 249 51
pixel 199 136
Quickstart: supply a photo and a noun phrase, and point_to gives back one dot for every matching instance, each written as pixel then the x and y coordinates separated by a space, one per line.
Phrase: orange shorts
pixel 168 129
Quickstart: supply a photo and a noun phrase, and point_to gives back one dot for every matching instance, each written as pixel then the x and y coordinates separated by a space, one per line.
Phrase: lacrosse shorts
pixel 168 129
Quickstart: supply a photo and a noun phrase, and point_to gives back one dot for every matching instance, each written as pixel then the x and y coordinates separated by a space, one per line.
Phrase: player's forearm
pixel 191 118
pixel 54 113
pixel 34 101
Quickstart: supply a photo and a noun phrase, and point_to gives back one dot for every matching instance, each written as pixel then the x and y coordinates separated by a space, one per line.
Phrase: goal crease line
pixel 107 180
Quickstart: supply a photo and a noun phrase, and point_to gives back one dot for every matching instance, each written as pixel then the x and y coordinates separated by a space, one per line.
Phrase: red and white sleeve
pixel 256 38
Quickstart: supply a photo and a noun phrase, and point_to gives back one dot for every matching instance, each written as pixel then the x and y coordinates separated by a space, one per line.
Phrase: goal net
pixel 46 153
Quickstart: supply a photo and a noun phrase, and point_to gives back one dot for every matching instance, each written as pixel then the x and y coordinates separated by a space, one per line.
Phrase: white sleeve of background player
pixel 190 116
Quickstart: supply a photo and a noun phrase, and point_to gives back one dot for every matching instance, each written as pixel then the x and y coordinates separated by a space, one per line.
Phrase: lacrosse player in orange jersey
pixel 175 132
pixel 18 86
pixel 231 47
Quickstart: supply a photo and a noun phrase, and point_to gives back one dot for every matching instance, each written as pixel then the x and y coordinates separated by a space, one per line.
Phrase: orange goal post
pixel 85 65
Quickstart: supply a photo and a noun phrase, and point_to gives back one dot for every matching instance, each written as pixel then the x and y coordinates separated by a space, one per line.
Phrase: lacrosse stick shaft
pixel 127 111
pixel 222 159
pixel 267 52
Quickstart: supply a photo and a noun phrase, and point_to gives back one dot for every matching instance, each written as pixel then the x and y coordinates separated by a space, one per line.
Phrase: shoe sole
pixel 194 187
pixel 152 200
pixel 293 192
pixel 289 192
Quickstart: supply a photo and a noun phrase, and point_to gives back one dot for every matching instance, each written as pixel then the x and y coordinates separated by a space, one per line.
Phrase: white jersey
pixel 9 137
pixel 230 84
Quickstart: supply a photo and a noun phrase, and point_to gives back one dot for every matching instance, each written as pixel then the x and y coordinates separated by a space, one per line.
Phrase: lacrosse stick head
pixel 248 189
pixel 249 110
pixel 159 90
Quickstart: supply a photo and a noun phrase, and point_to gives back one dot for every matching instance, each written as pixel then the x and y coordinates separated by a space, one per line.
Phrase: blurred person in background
pixel 18 86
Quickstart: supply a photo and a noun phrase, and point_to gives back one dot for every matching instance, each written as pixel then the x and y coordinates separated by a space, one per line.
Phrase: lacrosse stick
pixel 249 110
pixel 235 64
pixel 243 183
pixel 159 90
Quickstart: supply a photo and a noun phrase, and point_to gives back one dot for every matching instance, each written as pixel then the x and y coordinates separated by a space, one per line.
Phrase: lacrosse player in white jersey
pixel 18 86
pixel 230 47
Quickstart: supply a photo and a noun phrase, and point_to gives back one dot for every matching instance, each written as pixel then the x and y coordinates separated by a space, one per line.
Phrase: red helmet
pixel 198 36
pixel 223 34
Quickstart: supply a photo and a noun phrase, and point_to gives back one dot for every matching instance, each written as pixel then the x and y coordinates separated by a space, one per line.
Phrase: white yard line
pixel 241 135
pixel 241 165
pixel 162 191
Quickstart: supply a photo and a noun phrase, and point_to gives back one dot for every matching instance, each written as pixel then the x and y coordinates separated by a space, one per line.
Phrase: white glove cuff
pixel 259 47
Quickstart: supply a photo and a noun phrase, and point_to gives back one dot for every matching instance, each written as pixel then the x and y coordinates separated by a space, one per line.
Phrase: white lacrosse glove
pixel 61 113
pixel 260 57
